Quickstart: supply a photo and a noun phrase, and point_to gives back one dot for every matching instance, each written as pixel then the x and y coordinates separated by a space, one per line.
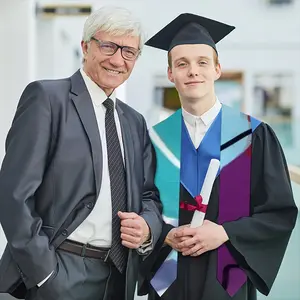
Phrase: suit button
pixel 64 232
pixel 90 205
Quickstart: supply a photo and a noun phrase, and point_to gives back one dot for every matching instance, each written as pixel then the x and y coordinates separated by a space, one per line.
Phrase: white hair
pixel 113 20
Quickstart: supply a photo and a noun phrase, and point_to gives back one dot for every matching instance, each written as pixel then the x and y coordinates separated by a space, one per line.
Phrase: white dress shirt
pixel 96 229
pixel 197 126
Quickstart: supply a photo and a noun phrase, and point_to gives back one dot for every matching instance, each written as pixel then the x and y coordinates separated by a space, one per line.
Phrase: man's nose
pixel 117 60
pixel 193 71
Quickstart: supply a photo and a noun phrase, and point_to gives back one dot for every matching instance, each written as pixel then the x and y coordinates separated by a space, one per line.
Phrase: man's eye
pixel 108 47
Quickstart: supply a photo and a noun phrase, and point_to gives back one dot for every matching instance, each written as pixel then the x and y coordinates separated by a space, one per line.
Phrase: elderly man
pixel 78 202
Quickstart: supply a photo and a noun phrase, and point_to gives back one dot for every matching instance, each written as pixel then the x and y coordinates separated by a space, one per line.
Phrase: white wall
pixel 57 40
pixel 17 62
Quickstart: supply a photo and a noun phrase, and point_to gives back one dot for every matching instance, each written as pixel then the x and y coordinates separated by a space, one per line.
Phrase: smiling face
pixel 194 69
pixel 108 72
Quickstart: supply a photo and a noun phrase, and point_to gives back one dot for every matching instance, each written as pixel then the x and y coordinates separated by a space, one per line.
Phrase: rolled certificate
pixel 209 179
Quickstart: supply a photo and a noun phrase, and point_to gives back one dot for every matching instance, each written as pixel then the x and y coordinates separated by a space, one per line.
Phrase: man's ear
pixel 84 48
pixel 170 75
pixel 218 72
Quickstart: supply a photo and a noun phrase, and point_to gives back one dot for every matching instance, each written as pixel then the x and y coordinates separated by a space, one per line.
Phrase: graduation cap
pixel 190 29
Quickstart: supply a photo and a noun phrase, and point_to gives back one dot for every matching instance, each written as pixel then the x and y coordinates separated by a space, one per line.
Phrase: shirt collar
pixel 97 94
pixel 207 118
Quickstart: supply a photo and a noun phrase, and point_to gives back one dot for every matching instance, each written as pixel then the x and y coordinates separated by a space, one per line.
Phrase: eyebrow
pixel 108 41
pixel 185 59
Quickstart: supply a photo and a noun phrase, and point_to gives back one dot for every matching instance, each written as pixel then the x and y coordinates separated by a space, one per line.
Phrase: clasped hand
pixel 196 241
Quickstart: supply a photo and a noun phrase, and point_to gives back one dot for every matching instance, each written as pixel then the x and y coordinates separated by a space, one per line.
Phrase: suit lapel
pixel 83 103
pixel 128 151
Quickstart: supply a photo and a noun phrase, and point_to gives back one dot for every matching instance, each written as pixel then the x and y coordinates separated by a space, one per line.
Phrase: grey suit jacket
pixel 51 177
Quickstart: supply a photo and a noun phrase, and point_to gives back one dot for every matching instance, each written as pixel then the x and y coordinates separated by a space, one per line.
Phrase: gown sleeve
pixel 259 242
pixel 152 263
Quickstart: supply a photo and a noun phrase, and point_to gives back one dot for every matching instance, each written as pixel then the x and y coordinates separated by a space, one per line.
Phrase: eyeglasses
pixel 110 48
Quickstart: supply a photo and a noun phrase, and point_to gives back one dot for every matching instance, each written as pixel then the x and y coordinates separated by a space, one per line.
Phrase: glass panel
pixel 287 132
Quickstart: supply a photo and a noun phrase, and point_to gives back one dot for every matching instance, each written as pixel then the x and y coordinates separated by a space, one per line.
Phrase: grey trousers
pixel 81 278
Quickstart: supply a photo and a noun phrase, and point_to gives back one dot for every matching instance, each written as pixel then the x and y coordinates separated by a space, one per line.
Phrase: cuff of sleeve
pixel 42 282
pixel 146 247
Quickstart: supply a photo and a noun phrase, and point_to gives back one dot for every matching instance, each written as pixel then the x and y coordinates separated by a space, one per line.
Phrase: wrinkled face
pixel 108 71
pixel 194 70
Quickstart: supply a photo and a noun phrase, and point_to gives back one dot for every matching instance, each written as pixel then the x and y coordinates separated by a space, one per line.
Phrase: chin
pixel 195 96
pixel 195 92
pixel 113 83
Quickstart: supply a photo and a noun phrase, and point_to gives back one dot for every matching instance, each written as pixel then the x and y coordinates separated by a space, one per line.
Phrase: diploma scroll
pixel 209 179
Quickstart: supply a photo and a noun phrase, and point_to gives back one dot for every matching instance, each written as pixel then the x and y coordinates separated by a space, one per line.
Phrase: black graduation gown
pixel 258 243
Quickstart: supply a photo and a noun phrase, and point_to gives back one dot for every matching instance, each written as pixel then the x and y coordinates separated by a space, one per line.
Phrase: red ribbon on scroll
pixel 199 206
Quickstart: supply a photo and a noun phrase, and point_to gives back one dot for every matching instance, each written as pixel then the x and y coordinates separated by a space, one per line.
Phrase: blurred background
pixel 260 62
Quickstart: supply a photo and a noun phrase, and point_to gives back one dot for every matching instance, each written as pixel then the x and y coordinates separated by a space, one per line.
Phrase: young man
pixel 76 211
pixel 251 212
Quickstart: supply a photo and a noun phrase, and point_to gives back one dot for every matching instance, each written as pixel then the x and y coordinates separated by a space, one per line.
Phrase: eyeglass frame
pixel 99 42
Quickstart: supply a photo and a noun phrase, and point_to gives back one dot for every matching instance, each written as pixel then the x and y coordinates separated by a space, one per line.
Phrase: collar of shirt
pixel 207 118
pixel 98 96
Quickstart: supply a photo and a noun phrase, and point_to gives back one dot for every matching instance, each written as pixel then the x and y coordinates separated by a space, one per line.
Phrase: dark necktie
pixel 118 252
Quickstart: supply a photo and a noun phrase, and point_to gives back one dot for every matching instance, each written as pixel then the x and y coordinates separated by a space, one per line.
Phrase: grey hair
pixel 113 20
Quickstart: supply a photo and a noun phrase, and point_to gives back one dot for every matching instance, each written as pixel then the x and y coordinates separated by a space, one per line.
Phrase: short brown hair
pixel 216 59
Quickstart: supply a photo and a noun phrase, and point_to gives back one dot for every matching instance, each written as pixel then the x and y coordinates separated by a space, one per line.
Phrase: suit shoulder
pixel 131 111
pixel 54 90
pixel 53 86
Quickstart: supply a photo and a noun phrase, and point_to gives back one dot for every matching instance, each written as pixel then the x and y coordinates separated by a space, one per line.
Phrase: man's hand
pixel 207 237
pixel 174 241
pixel 134 230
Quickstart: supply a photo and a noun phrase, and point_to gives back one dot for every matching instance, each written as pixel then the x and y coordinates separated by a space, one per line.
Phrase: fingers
pixel 183 250
pixel 188 242
pixel 199 252
pixel 184 226
pixel 129 245
pixel 184 238
pixel 131 239
pixel 193 251
pixel 131 223
pixel 131 231
pixel 186 231
pixel 127 215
